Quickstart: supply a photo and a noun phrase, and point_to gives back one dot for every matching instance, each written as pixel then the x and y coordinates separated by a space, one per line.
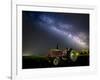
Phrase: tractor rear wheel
pixel 73 55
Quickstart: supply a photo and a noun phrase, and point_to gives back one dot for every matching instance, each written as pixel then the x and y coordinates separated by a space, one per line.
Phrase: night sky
pixel 42 31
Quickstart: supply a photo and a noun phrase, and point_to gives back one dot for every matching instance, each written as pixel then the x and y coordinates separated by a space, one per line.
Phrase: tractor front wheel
pixel 56 61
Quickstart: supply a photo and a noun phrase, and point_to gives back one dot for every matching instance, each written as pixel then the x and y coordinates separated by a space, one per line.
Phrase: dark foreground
pixel 42 62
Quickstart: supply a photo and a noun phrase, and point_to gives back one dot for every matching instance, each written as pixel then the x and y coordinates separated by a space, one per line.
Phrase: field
pixel 32 62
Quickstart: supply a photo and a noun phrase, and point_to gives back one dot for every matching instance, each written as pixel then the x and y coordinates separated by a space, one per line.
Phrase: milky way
pixel 44 30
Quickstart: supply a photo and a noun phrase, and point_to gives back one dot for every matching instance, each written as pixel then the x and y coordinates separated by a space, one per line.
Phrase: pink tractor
pixel 55 55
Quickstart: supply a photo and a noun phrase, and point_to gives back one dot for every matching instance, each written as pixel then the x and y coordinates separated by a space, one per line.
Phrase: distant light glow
pixel 27 54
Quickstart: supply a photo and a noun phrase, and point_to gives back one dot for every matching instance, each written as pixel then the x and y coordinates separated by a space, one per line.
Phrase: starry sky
pixel 42 31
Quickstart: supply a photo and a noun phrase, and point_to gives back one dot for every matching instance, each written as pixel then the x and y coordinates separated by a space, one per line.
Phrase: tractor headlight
pixel 77 54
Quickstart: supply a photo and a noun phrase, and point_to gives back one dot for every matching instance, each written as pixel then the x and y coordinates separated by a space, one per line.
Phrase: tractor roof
pixel 55 50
